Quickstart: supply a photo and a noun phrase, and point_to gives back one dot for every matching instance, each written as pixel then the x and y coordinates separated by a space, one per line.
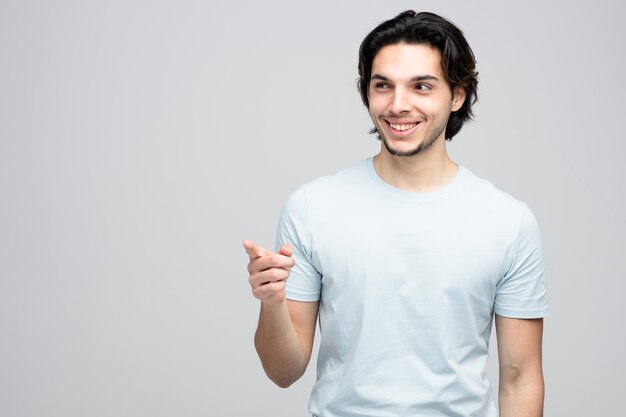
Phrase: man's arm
pixel 521 376
pixel 284 339
pixel 284 336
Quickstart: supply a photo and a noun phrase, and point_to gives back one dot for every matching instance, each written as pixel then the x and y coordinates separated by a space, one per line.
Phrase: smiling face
pixel 409 98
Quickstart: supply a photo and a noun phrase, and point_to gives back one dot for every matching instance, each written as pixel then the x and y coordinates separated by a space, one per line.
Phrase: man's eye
pixel 422 87
pixel 381 85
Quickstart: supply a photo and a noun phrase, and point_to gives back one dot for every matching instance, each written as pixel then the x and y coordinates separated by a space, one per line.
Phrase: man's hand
pixel 269 271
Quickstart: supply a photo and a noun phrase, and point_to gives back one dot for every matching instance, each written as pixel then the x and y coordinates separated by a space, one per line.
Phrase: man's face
pixel 409 98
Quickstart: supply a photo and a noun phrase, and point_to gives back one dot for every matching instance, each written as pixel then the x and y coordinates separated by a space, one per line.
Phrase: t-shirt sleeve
pixel 304 282
pixel 522 291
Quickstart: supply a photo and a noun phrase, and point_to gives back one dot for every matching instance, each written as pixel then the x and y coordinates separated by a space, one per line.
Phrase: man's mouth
pixel 401 127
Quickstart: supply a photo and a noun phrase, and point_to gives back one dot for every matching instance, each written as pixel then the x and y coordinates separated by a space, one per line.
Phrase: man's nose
pixel 400 102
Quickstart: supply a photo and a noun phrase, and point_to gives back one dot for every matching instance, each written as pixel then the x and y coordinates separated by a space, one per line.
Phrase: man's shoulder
pixel 483 193
pixel 497 210
pixel 339 181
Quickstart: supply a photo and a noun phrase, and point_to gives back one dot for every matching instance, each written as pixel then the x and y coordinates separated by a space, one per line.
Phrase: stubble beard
pixel 437 131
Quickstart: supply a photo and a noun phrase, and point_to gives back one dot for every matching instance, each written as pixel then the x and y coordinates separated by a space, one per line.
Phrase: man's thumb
pixel 286 250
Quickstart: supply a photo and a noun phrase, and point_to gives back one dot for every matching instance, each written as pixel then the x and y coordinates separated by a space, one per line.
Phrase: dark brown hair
pixel 457 59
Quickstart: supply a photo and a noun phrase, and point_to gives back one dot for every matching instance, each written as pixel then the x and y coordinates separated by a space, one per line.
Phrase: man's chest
pixel 415 255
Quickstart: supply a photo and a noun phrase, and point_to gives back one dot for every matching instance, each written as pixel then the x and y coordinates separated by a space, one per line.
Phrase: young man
pixel 407 256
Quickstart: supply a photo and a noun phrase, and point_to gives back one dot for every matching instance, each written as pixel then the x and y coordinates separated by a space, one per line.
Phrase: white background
pixel 141 141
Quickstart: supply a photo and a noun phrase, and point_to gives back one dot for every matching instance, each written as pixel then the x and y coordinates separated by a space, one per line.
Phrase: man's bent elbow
pixel 282 369
pixel 283 380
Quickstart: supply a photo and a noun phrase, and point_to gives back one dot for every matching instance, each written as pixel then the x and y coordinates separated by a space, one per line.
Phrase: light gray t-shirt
pixel 408 284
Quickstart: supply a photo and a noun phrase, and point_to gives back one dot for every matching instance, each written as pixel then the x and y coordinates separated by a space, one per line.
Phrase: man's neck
pixel 425 172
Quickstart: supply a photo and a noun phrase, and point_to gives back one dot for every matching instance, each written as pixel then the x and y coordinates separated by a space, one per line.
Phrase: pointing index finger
pixel 254 251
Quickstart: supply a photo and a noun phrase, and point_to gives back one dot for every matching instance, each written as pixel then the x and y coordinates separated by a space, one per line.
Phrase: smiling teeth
pixel 403 127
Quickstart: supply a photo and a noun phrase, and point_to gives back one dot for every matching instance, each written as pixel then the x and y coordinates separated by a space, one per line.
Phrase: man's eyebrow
pixel 426 77
pixel 379 77
pixel 417 78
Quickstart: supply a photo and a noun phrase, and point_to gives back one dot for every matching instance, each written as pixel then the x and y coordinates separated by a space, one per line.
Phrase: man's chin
pixel 401 152
pixel 421 147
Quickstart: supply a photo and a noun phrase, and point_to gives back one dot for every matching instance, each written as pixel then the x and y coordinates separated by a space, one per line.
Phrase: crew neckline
pixel 414 195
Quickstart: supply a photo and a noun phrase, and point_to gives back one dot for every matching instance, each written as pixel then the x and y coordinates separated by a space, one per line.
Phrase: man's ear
pixel 458 98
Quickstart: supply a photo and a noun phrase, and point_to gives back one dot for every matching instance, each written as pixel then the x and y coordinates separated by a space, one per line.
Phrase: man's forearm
pixel 278 345
pixel 522 397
